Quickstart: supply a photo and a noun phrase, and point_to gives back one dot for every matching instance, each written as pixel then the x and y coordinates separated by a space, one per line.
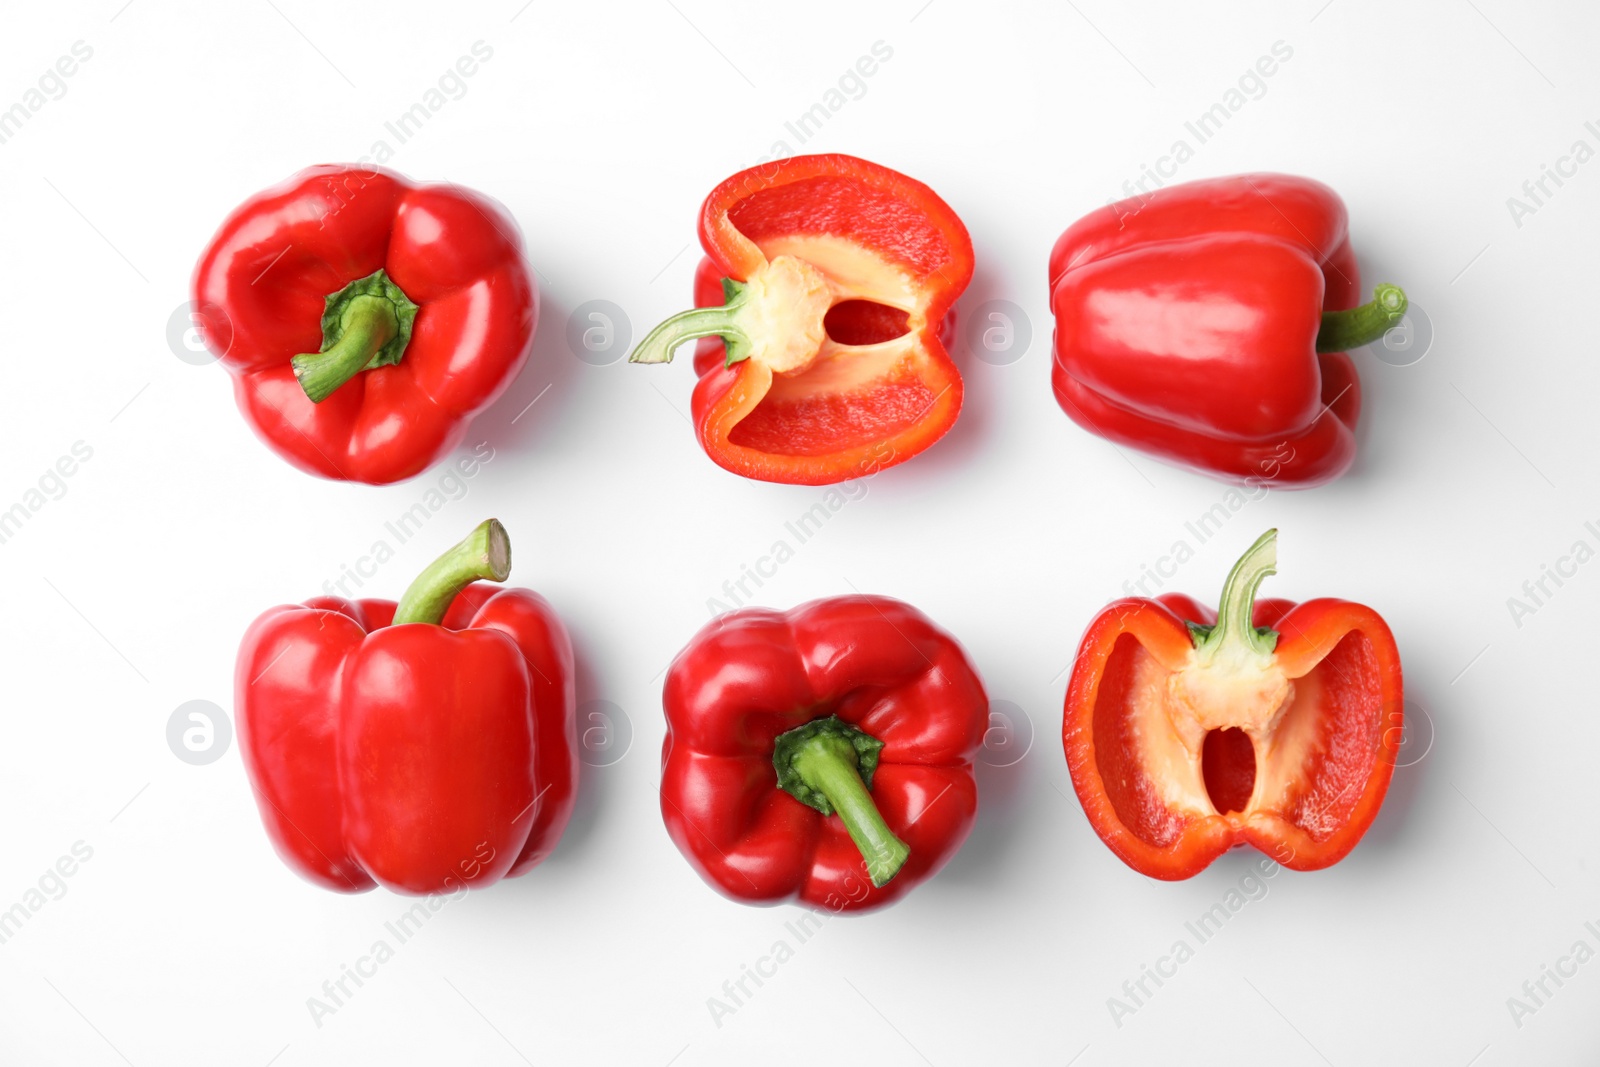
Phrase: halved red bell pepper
pixel 822 755
pixel 835 277
pixel 429 746
pixel 366 320
pixel 1208 324
pixel 1270 724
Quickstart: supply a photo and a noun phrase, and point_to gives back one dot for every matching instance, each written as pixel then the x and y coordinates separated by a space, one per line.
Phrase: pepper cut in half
pixel 366 319
pixel 829 281
pixel 1208 324
pixel 426 746
pixel 823 755
pixel 1268 723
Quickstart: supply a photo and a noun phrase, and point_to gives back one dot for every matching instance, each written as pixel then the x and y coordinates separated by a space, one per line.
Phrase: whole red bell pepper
pixel 366 320
pixel 822 755
pixel 829 280
pixel 1208 324
pixel 1269 723
pixel 428 746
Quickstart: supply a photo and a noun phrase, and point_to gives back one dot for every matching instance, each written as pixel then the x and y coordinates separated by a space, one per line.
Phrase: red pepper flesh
pixel 265 292
pixel 1207 324
pixel 422 757
pixel 833 279
pixel 861 670
pixel 1277 726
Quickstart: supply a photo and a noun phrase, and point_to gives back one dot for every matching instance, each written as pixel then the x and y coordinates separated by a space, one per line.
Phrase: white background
pixel 184 939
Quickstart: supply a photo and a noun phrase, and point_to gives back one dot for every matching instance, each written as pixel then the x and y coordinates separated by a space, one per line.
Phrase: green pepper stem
pixel 719 321
pixel 369 323
pixel 484 555
pixel 822 764
pixel 1343 330
pixel 366 324
pixel 1235 628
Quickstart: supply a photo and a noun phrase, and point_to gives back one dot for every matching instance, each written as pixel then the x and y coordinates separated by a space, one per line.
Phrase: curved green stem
pixel 369 323
pixel 659 344
pixel 1343 330
pixel 485 555
pixel 828 765
pixel 1235 629
pixel 366 324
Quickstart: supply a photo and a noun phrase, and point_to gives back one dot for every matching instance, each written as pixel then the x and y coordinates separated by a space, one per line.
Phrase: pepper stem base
pixel 366 324
pixel 776 317
pixel 828 765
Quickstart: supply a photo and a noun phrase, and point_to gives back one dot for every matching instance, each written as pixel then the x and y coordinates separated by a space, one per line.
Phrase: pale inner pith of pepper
pixel 1248 692
pixel 1172 711
pixel 804 277
pixel 785 303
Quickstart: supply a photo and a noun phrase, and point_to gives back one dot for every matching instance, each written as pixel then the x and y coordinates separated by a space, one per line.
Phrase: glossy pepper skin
pixel 829 280
pixel 1276 727
pixel 423 757
pixel 754 684
pixel 428 346
pixel 1207 324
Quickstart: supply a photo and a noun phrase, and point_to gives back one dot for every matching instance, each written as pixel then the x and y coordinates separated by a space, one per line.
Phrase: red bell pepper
pixel 1270 724
pixel 832 279
pixel 823 755
pixel 1208 324
pixel 426 746
pixel 411 309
